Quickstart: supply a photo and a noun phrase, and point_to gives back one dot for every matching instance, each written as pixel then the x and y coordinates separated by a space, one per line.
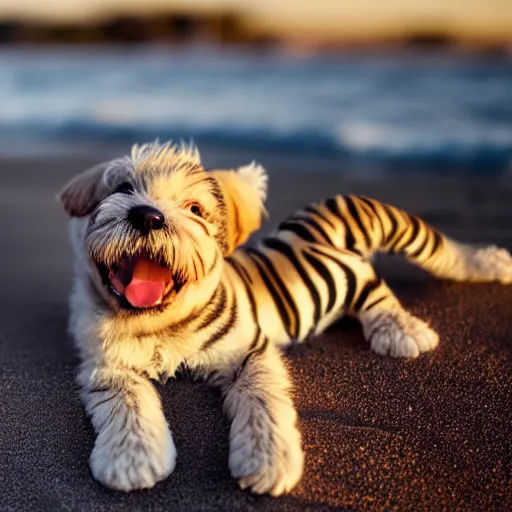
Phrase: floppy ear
pixel 84 192
pixel 245 191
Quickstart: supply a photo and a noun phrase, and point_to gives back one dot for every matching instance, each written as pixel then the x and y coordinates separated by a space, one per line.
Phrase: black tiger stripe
pixel 351 285
pixel 402 232
pixel 242 273
pixel 416 225
pixel 332 205
pixel 311 209
pixel 349 274
pixel 375 214
pixel 438 242
pixel 314 224
pixel 241 270
pixel 255 352
pixel 421 248
pixel 255 340
pixel 352 208
pixel 369 287
pixel 288 252
pixel 369 214
pixel 298 229
pixel 265 266
pixel 350 241
pixel 219 334
pixel 327 277
pixel 394 247
pixel 219 301
pixel 278 301
pixel 375 302
pixel 259 350
pixel 394 223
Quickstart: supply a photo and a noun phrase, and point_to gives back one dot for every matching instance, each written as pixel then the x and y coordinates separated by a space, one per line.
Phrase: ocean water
pixel 401 108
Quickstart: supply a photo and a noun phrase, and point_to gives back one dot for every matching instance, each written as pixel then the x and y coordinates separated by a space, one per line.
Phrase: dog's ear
pixel 84 192
pixel 245 191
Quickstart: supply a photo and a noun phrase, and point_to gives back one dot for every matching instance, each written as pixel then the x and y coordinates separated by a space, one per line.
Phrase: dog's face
pixel 155 227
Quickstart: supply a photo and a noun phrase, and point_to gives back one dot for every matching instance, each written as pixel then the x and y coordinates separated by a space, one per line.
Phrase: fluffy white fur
pixel 256 176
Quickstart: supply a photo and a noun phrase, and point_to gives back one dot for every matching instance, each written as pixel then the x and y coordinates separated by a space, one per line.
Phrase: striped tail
pixel 367 226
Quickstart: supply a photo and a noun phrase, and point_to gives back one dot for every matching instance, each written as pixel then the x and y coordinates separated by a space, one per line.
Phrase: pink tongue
pixel 146 289
pixel 144 294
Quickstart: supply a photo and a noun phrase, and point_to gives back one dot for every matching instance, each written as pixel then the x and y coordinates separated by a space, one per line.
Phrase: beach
pixel 433 433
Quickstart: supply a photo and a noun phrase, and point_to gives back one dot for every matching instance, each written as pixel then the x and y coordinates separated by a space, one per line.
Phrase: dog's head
pixel 156 226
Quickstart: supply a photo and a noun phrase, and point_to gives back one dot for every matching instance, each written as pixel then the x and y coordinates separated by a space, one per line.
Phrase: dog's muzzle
pixel 146 218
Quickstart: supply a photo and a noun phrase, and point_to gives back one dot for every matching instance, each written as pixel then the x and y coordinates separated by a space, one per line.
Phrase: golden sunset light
pixel 330 20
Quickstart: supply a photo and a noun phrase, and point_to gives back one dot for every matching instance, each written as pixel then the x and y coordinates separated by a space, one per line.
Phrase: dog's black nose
pixel 146 218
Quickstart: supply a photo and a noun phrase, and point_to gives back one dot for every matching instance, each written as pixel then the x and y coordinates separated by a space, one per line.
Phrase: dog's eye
pixel 125 188
pixel 195 208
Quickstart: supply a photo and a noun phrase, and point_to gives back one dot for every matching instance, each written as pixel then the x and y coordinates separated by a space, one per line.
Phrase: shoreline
pixel 231 27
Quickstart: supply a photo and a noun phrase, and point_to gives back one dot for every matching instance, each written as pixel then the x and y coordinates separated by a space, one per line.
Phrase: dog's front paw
pixel 400 334
pixel 265 456
pixel 134 458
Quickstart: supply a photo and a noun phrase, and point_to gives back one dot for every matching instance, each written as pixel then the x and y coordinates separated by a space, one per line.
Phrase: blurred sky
pixel 481 19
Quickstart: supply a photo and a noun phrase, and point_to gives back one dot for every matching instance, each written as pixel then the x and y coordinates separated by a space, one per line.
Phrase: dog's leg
pixel 265 453
pixel 395 231
pixel 134 448
pixel 476 264
pixel 461 262
pixel 388 327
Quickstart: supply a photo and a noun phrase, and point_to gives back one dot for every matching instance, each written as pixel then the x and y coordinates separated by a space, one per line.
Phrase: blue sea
pixel 411 108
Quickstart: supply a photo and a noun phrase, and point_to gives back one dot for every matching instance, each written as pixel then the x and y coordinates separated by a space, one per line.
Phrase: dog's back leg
pixel 395 231
pixel 387 326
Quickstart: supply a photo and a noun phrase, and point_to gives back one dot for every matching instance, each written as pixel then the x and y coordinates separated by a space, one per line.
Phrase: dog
pixel 160 283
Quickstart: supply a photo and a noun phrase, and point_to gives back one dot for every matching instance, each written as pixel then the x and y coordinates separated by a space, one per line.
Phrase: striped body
pixel 297 288
pixel 315 268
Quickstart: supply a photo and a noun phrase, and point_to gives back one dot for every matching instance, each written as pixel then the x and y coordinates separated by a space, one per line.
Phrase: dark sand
pixel 380 434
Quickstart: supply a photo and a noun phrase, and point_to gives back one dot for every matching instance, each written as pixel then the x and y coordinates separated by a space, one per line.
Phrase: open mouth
pixel 139 281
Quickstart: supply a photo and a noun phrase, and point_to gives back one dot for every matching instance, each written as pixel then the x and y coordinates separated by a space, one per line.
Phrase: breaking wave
pixel 429 111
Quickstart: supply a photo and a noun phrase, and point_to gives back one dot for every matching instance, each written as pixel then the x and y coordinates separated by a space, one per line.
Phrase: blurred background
pixel 414 84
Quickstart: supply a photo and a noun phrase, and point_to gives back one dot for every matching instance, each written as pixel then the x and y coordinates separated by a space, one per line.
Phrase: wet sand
pixel 379 434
